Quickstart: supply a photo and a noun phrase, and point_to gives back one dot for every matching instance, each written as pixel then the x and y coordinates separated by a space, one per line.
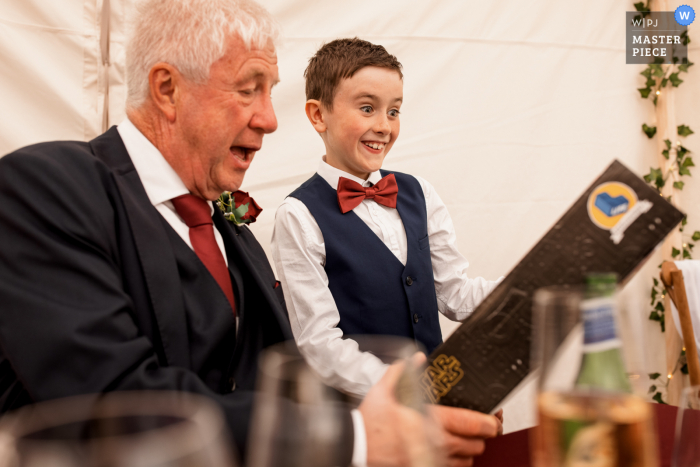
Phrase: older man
pixel 118 273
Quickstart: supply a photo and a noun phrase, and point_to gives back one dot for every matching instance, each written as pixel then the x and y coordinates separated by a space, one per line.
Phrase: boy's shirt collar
pixel 331 175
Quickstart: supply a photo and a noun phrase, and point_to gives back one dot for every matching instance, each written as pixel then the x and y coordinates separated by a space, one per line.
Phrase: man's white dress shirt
pixel 299 253
pixel 160 181
pixel 162 184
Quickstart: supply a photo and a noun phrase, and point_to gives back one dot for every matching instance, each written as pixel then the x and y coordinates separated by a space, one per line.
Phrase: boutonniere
pixel 238 207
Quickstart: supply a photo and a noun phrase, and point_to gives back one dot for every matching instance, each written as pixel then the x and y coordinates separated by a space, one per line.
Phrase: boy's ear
pixel 315 112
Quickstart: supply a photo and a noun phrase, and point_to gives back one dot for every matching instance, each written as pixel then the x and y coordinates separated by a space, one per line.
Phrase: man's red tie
pixel 351 194
pixel 197 215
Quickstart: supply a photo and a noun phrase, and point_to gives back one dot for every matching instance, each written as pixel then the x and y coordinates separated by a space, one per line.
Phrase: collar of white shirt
pixel 332 175
pixel 159 179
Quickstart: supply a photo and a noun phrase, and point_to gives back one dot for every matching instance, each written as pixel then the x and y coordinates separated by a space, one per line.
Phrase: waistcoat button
pixel 415 317
pixel 409 280
pixel 232 383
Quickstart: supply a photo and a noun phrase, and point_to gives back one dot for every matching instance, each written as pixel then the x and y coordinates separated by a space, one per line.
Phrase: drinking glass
pixel 686 450
pixel 578 422
pixel 121 429
pixel 298 421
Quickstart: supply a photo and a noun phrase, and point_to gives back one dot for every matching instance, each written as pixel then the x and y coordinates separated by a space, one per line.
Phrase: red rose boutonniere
pixel 238 207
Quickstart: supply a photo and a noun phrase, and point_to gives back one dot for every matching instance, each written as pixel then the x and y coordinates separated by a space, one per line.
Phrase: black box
pixel 613 227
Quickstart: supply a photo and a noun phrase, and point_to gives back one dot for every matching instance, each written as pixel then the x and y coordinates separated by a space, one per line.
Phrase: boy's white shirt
pixel 299 252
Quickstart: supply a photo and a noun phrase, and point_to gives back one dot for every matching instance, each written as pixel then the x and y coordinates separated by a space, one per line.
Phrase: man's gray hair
pixel 190 35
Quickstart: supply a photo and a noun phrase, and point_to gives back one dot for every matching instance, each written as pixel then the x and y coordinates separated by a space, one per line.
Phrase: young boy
pixel 360 250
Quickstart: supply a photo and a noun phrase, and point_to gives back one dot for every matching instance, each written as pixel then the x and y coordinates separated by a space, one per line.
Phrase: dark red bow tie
pixel 351 194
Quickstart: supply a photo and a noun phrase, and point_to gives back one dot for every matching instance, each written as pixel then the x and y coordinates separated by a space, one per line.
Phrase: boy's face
pixel 364 122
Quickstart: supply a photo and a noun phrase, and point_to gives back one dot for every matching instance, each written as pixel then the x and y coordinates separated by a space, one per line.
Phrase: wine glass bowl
pixel 585 405
pixel 122 429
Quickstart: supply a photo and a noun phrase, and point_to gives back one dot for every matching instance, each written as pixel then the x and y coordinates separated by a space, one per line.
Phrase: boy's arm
pixel 457 294
pixel 299 253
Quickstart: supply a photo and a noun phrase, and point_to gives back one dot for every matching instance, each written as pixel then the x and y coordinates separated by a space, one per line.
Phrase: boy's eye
pixel 394 113
pixel 366 109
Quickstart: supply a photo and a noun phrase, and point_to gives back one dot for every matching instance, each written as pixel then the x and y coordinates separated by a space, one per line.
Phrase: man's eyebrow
pixel 255 74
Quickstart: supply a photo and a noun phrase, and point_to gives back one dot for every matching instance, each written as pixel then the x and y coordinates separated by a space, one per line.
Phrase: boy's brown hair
pixel 341 59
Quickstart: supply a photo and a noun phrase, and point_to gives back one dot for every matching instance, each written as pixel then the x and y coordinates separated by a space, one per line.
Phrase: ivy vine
pixel 658 77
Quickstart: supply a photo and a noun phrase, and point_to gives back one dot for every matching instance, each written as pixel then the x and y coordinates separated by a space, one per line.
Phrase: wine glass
pixel 120 429
pixel 298 421
pixel 583 418
pixel 686 450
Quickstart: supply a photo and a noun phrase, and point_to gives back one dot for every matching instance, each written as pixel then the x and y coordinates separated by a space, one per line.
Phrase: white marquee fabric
pixel 511 109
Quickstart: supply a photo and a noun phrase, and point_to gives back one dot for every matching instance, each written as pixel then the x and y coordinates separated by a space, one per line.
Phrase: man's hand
pixel 398 435
pixel 466 431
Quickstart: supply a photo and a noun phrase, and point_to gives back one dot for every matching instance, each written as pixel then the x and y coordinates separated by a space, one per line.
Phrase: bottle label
pixel 599 328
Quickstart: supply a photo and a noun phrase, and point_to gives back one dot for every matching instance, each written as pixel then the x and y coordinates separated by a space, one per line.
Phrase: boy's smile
pixel 364 122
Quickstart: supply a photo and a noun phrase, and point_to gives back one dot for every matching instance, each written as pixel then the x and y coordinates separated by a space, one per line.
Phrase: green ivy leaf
pixel 656 281
pixel 675 80
pixel 653 376
pixel 657 70
pixel 664 82
pixel 688 162
pixel 691 245
pixel 646 73
pixel 683 171
pixel 668 143
pixel 639 6
pixel 684 369
pixel 651 82
pixel 686 254
pixel 684 130
pixel 644 92
pixel 660 306
pixel 696 235
pixel 678 185
pixel 685 38
pixel 663 324
pixel 685 66
pixel 650 131
pixel 654 293
pixel 674 252
pixel 657 398
pixel 681 152
pixel 654 316
pixel 665 153
pixel 652 388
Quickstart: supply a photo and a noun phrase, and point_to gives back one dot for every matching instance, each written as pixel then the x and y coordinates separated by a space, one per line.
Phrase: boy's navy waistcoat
pixel 374 292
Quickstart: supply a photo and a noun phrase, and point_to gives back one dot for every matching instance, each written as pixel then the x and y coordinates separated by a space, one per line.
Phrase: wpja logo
pixel 659 37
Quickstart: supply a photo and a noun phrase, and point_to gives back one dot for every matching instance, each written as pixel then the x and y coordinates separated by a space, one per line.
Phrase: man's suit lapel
pixel 155 253
pixel 254 262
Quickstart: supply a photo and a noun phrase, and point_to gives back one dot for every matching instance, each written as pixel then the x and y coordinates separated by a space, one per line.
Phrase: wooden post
pixel 666 129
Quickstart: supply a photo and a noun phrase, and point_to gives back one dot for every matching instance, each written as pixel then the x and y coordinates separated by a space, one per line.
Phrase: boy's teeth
pixel 375 145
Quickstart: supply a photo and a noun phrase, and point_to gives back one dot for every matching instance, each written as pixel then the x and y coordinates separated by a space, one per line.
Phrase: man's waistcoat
pixel 374 292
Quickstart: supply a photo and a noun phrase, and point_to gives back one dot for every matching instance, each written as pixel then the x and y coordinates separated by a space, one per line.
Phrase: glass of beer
pixel 299 421
pixel 588 414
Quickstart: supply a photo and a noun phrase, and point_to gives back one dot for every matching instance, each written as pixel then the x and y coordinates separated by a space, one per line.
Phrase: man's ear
pixel 164 81
pixel 315 113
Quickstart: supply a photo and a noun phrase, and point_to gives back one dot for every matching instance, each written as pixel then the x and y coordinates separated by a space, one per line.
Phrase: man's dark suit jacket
pixel 98 293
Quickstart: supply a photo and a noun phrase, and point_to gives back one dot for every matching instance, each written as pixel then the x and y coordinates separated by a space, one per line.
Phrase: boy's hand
pixel 466 431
